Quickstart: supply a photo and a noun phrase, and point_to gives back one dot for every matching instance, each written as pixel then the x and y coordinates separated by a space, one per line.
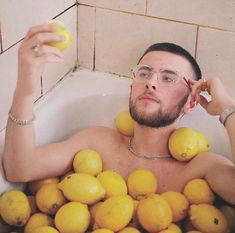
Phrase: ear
pixel 190 105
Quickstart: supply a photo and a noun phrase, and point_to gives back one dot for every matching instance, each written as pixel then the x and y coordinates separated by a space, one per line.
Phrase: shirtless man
pixel 166 86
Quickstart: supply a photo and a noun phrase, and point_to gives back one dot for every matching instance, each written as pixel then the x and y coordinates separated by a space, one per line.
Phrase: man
pixel 165 87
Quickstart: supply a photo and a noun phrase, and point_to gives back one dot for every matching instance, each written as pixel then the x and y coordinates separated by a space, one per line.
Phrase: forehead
pixel 166 60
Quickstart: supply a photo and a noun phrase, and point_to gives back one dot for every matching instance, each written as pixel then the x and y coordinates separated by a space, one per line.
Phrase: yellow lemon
pixel 154 213
pixel 203 142
pixel 229 213
pixel 113 183
pixel 49 198
pixel 38 220
pixel 141 183
pixel 60 29
pixel 34 186
pixel 87 161
pixel 207 218
pixel 115 213
pixel 185 143
pixel 66 174
pixel 72 217
pixel 129 230
pixel 198 191
pixel 175 228
pixel 14 207
pixel 178 203
pixel 103 230
pixel 81 187
pixel 45 229
pixel 124 123
pixel 166 231
pixel 93 209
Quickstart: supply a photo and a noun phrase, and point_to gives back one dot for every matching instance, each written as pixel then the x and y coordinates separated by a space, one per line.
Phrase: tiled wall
pixel 112 34
pixel 15 19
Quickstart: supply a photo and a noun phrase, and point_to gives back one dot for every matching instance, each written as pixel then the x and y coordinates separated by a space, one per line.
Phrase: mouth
pixel 149 98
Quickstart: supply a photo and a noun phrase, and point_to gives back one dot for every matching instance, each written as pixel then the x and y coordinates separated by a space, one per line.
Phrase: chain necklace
pixel 130 148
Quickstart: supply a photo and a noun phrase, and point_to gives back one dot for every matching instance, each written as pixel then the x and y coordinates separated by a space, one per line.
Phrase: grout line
pixel 196 43
pixel 41 83
pixel 77 60
pixel 94 52
pixel 164 19
pixel 146 6
pixel 1 49
pixel 75 4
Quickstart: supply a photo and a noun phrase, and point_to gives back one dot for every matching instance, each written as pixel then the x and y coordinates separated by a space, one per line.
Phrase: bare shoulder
pixel 203 162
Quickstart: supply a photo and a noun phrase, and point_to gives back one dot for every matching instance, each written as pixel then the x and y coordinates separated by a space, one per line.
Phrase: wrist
pixel 227 112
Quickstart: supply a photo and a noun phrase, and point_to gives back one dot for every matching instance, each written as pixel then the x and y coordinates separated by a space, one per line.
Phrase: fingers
pixel 39 28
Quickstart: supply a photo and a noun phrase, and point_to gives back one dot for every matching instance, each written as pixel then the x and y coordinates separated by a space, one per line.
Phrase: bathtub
pixel 87 98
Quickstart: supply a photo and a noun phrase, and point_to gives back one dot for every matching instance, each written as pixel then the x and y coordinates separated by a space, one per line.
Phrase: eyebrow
pixel 169 71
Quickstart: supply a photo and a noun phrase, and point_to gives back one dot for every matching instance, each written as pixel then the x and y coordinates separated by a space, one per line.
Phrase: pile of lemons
pixel 90 199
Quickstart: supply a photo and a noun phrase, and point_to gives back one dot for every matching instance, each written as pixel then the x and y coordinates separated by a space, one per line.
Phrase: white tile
pixel 8 67
pixel 216 55
pixel 18 16
pixel 216 13
pixel 68 3
pixel 54 72
pixel 86 36
pixel 122 38
pixel 134 6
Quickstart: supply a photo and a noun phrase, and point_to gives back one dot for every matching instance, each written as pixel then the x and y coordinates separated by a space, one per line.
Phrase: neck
pixel 152 141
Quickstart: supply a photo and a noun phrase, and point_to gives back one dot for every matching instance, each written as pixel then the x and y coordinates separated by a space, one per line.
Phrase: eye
pixel 168 78
pixel 143 74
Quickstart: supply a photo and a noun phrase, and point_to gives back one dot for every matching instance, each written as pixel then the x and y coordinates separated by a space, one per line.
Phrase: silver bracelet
pixel 20 121
pixel 226 113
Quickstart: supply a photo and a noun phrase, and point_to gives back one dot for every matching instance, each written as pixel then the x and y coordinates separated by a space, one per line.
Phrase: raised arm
pixel 20 156
pixel 220 172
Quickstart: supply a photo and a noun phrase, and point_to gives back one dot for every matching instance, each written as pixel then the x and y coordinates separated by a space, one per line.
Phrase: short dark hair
pixel 178 50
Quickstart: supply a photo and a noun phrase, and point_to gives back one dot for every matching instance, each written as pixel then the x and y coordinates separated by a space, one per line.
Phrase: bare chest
pixel 169 172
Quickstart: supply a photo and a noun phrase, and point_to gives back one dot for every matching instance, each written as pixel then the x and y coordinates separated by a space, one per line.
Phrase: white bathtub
pixel 88 98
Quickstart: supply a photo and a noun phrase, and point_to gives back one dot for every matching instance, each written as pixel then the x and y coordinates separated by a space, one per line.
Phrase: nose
pixel 152 82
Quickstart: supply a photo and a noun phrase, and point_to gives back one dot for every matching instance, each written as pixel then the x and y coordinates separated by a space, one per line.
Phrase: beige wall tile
pixel 18 16
pixel 214 13
pixel 8 77
pixel 86 33
pixel 122 38
pixel 216 55
pixel 135 6
pixel 54 72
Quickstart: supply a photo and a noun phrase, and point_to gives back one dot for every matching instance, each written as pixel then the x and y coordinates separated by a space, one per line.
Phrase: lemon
pixel 113 183
pixel 14 207
pixel 81 187
pixel 124 123
pixel 178 203
pixel 49 198
pixel 129 230
pixel 207 218
pixel 45 229
pixel 229 213
pixel 60 29
pixel 141 183
pixel 198 191
pixel 185 143
pixel 166 231
pixel 34 186
pixel 154 213
pixel 194 232
pixel 175 228
pixel 66 174
pixel 87 161
pixel 38 220
pixel 203 142
pixel 93 209
pixel 103 230
pixel 73 217
pixel 115 213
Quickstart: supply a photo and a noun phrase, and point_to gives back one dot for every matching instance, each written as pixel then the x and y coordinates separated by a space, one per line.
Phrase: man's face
pixel 153 104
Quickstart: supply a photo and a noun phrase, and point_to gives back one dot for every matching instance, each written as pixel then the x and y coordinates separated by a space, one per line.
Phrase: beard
pixel 160 118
